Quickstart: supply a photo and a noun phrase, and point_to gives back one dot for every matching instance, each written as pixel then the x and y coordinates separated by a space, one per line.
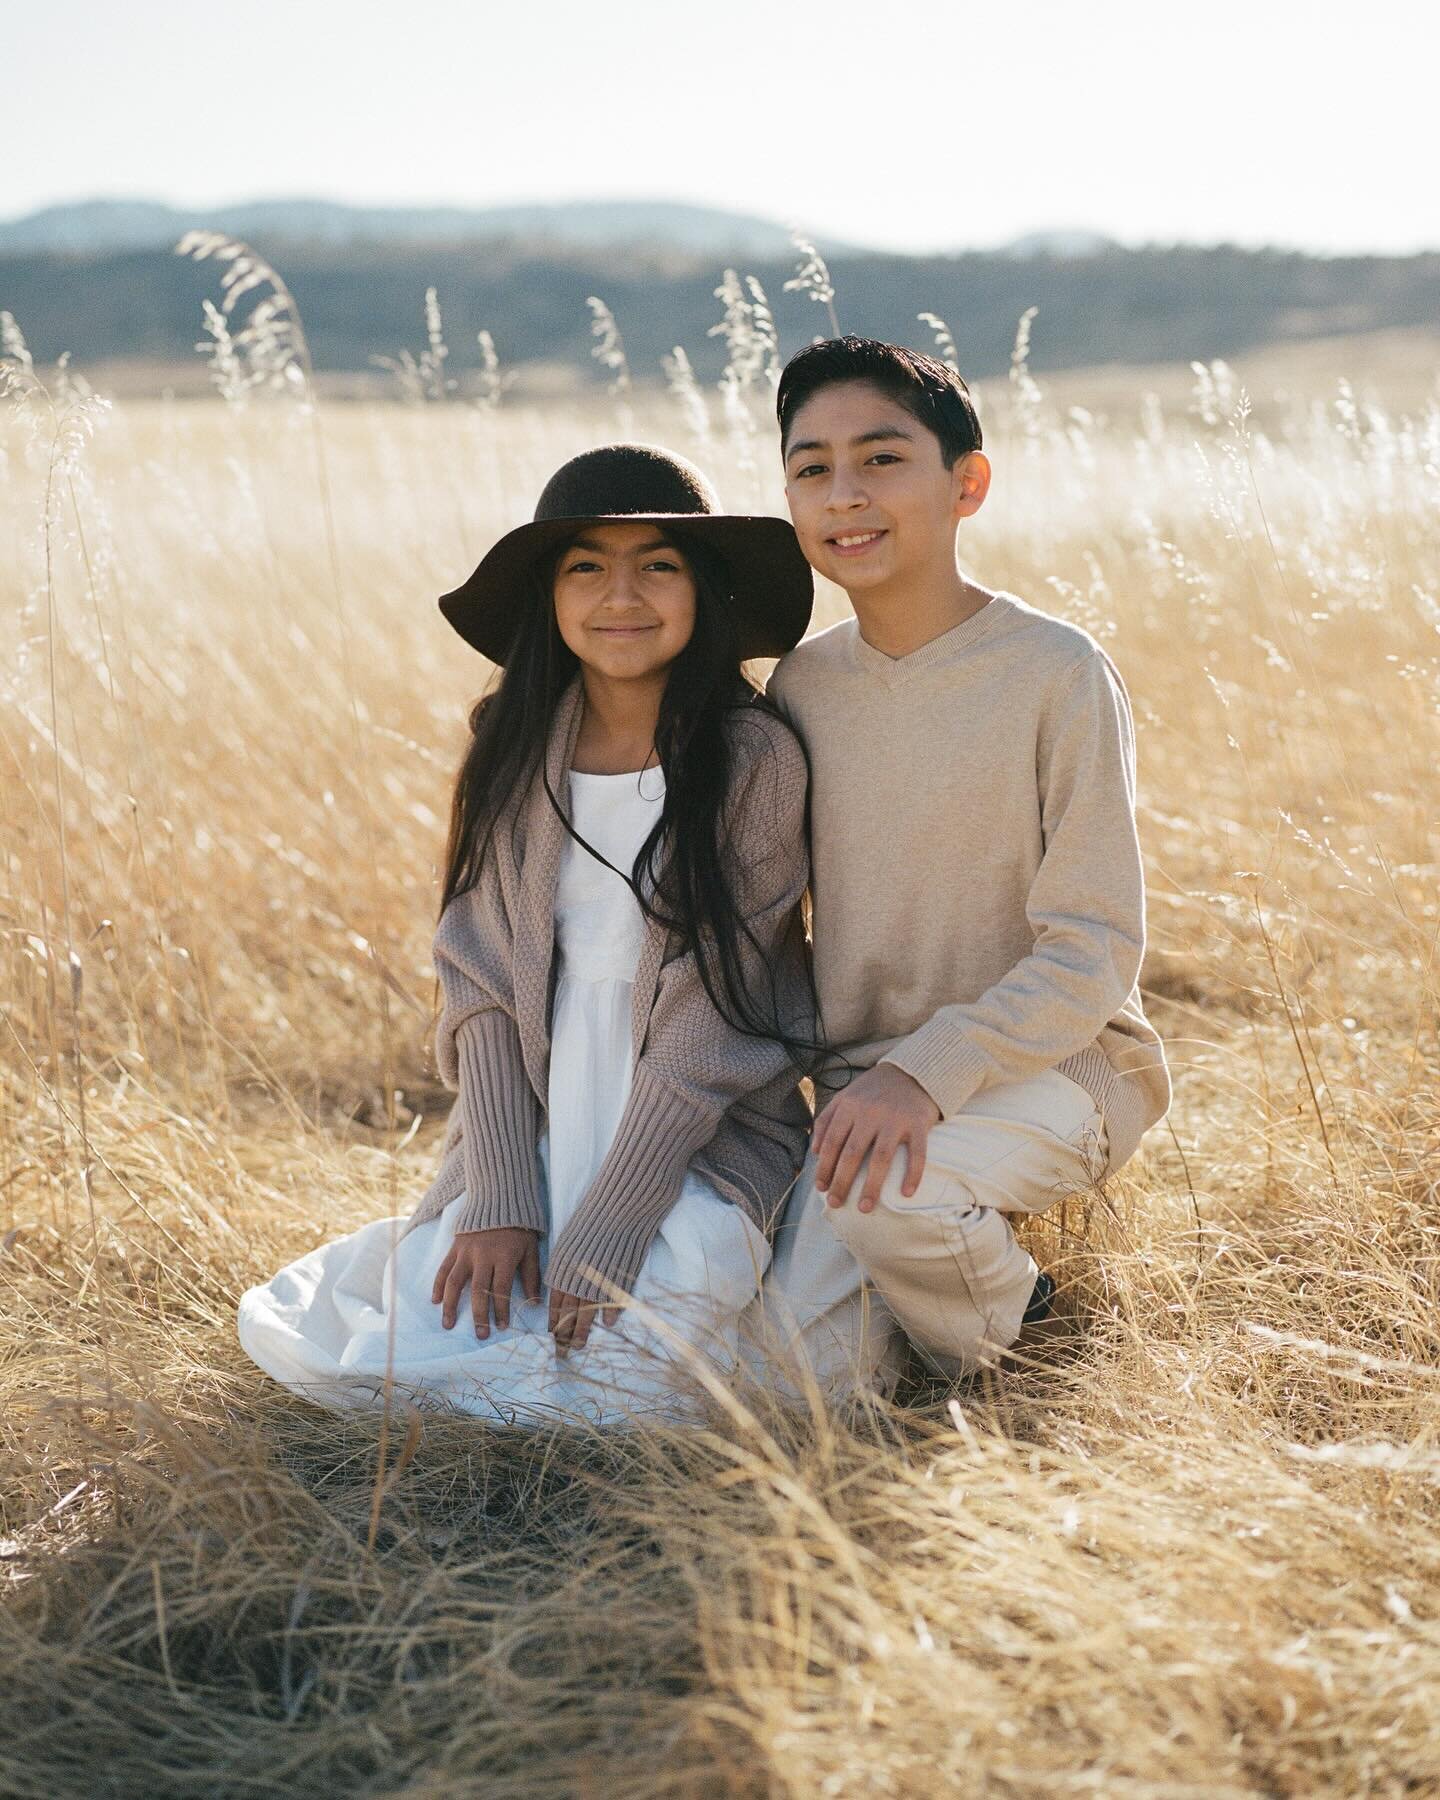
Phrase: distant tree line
pixel 362 302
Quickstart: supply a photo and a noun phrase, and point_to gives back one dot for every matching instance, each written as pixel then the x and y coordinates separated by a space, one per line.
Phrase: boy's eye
pixel 809 469
pixel 884 456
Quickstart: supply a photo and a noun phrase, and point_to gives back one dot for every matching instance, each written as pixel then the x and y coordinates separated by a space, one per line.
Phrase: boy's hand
pixel 878 1112
pixel 572 1317
pixel 489 1261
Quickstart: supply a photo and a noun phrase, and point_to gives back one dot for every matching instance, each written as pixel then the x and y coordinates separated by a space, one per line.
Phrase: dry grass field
pixel 1194 1551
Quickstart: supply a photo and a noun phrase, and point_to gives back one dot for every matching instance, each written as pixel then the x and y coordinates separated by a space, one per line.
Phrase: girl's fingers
pixel 438 1285
pixel 820 1127
pixel 570 1320
pixel 563 1308
pixel 480 1279
pixel 454 1287
pixel 492 1285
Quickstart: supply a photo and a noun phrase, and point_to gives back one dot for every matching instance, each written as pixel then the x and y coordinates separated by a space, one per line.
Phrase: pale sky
pixel 884 122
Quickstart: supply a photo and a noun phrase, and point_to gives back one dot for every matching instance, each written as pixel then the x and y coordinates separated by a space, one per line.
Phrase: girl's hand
pixel 572 1317
pixel 489 1261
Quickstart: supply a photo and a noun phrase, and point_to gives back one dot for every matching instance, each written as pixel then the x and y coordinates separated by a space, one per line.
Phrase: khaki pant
pixel 943 1264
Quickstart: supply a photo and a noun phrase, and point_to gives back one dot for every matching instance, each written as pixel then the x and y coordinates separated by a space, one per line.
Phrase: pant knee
pixel 942 1208
pixel 868 1235
pixel 952 1271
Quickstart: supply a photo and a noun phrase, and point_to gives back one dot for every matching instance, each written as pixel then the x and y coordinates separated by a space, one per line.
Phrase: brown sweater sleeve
pixel 500 1121
pixel 478 1051
pixel 694 1065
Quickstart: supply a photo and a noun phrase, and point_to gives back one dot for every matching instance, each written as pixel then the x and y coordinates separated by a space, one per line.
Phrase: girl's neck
pixel 617 724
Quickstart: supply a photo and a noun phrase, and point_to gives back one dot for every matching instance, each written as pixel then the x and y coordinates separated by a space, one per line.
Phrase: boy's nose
pixel 845 494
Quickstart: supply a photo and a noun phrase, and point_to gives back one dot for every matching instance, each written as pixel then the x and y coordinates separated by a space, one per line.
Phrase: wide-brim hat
pixel 771 589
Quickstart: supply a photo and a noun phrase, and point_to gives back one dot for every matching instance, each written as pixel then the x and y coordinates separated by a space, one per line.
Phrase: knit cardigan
pixel 703 1095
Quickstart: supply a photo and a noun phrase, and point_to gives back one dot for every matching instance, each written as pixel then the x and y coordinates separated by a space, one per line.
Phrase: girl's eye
pixel 669 568
pixel 581 568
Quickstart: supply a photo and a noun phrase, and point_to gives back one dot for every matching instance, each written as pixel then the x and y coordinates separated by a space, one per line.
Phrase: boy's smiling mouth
pixel 848 543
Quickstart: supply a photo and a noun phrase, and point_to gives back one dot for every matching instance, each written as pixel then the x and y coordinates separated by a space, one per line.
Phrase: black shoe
pixel 1040 1297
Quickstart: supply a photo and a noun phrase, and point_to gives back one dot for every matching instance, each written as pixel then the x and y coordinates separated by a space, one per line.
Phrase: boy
pixel 979 906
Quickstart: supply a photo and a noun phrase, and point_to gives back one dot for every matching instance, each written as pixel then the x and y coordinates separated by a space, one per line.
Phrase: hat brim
pixel 772 589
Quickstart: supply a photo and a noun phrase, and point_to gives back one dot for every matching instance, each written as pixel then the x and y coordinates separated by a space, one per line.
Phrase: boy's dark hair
pixel 929 391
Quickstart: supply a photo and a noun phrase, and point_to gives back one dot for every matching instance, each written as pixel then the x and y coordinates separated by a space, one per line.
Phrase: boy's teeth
pixel 863 538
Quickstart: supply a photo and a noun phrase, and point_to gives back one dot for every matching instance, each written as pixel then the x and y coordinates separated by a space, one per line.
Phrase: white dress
pixel 331 1324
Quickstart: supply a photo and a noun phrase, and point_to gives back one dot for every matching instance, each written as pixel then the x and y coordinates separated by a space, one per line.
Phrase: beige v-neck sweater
pixel 978 896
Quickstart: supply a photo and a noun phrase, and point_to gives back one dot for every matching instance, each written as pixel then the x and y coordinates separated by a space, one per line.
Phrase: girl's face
pixel 624 600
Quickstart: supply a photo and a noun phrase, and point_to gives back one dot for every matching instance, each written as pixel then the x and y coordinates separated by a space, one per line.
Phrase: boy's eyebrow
pixel 874 436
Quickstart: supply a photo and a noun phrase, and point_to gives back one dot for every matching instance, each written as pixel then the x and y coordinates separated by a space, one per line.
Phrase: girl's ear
pixel 969 483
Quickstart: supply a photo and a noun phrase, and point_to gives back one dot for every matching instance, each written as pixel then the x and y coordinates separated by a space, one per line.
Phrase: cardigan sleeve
pixel 694 1065
pixel 478 1052
pixel 500 1124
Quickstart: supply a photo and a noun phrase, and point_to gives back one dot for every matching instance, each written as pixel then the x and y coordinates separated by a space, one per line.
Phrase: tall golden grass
pixel 1192 1551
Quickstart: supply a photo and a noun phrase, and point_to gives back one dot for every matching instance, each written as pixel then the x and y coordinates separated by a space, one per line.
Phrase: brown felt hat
pixel 771 587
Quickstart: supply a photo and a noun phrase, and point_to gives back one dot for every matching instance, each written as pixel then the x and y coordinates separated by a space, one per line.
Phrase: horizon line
pixel 845 243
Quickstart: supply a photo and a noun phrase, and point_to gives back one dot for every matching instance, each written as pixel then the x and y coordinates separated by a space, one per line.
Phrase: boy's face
pixel 870 497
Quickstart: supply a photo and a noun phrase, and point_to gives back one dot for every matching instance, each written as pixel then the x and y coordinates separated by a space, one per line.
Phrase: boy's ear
pixel 969 483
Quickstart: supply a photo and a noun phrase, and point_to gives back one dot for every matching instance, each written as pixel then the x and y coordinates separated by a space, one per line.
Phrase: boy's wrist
pixel 938 1060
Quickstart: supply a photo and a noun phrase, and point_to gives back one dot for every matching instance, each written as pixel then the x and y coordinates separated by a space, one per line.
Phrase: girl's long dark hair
pixel 680 875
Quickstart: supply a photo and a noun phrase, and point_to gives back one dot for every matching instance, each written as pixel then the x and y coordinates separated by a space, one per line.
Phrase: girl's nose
pixel 621 585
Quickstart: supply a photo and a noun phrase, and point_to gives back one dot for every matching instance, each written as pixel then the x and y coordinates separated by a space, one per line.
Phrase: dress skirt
pixel 353 1314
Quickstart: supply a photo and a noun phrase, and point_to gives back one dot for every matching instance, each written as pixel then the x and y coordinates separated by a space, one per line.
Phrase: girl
pixel 626 995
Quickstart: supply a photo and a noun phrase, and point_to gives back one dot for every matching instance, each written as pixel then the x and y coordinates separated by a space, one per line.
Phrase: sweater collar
pixel 895 671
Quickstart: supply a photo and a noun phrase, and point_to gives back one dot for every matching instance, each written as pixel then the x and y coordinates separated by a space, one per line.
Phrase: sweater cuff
pixel 500 1124
pixel 949 1069
pixel 615 1223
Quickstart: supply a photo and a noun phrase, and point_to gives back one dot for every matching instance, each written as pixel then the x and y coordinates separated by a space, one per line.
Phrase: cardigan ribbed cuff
pixel 949 1069
pixel 500 1124
pixel 615 1223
